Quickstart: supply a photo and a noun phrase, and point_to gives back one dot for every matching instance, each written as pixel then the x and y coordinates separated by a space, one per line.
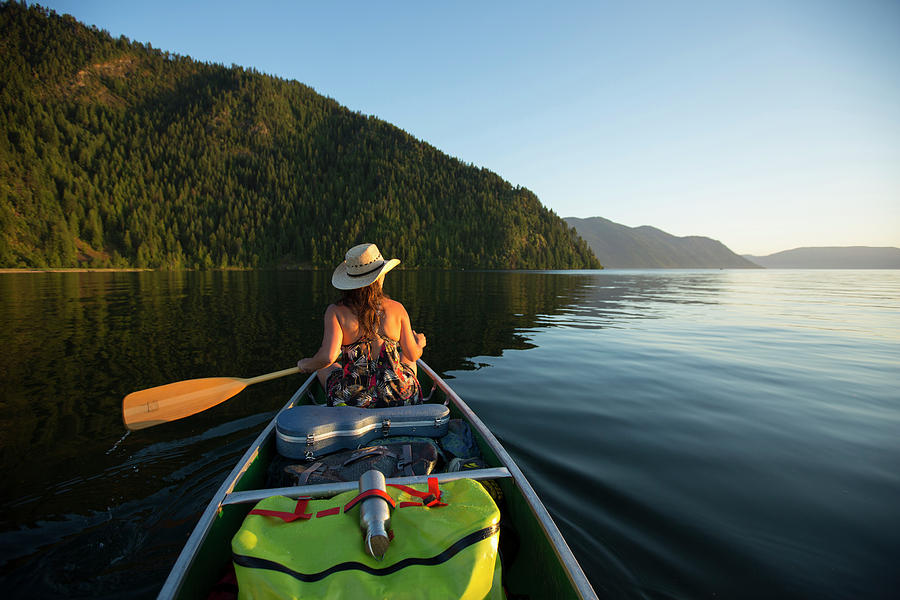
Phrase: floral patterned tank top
pixel 372 382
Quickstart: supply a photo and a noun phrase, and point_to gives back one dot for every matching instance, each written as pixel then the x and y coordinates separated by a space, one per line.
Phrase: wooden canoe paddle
pixel 181 399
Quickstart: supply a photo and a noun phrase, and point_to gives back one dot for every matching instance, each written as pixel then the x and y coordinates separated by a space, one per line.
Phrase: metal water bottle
pixel 374 515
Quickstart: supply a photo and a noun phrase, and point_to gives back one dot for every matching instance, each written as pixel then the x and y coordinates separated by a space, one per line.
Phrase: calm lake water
pixel 695 434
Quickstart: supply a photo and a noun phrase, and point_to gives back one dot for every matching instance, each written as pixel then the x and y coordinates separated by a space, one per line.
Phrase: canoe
pixel 542 567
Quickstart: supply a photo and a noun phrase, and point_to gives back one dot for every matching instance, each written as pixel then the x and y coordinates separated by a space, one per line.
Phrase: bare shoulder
pixel 393 308
pixel 341 313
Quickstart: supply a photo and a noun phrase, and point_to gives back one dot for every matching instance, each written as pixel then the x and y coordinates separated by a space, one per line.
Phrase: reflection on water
pixel 694 433
pixel 733 433
pixel 74 344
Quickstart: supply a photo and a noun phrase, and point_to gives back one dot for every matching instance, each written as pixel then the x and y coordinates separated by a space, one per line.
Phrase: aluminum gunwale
pixel 574 571
pixel 175 580
pixel 325 490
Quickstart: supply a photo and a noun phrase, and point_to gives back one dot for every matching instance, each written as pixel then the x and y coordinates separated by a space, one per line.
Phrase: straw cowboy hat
pixel 362 265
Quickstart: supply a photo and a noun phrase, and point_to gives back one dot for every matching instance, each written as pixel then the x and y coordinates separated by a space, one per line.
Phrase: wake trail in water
pixel 116 445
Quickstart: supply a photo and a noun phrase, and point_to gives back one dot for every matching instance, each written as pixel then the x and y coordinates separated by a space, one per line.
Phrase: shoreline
pixel 71 270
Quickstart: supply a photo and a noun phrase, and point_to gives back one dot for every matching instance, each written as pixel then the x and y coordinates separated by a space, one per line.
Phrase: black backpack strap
pixel 366 453
pixel 304 476
pixel 405 463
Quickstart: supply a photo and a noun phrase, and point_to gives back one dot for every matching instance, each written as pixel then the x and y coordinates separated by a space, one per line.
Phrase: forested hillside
pixel 115 153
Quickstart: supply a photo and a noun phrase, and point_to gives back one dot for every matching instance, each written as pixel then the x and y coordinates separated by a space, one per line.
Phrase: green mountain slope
pixel 114 153
pixel 619 246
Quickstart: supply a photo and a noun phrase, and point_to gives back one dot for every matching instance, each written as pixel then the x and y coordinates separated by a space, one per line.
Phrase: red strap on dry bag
pixel 367 494
pixel 431 498
pixel 299 511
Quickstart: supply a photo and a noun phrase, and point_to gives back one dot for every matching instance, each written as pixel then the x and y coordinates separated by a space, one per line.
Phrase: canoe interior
pixel 530 565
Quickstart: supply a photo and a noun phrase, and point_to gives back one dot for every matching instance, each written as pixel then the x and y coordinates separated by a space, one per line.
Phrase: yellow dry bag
pixel 443 546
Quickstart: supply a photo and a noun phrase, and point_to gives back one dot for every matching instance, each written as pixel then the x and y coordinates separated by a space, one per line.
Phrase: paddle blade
pixel 174 401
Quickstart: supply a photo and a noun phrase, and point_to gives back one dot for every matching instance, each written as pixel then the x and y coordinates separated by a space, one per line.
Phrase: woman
pixel 370 334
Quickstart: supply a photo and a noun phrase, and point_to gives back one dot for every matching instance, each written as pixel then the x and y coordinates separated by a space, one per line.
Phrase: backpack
pixel 392 459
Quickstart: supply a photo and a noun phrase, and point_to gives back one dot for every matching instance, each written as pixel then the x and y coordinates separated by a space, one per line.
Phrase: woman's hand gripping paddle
pixel 181 399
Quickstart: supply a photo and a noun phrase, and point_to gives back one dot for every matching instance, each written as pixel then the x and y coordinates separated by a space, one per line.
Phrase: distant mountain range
pixel 622 247
pixel 850 257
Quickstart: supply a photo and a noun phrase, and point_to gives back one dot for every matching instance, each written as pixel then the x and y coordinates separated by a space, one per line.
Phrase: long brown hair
pixel 366 303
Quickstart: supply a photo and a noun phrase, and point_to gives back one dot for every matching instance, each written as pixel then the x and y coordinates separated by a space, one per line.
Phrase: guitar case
pixel 311 431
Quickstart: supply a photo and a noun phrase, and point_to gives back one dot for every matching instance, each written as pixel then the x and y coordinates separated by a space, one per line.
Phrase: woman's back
pixel 390 324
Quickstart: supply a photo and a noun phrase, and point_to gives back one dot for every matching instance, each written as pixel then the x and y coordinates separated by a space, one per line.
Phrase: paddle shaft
pixel 270 376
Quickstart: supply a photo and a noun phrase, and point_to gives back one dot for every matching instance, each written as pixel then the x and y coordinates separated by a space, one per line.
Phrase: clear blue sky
pixel 765 124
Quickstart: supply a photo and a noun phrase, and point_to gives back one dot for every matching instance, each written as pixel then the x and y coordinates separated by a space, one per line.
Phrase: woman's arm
pixel 330 349
pixel 411 343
